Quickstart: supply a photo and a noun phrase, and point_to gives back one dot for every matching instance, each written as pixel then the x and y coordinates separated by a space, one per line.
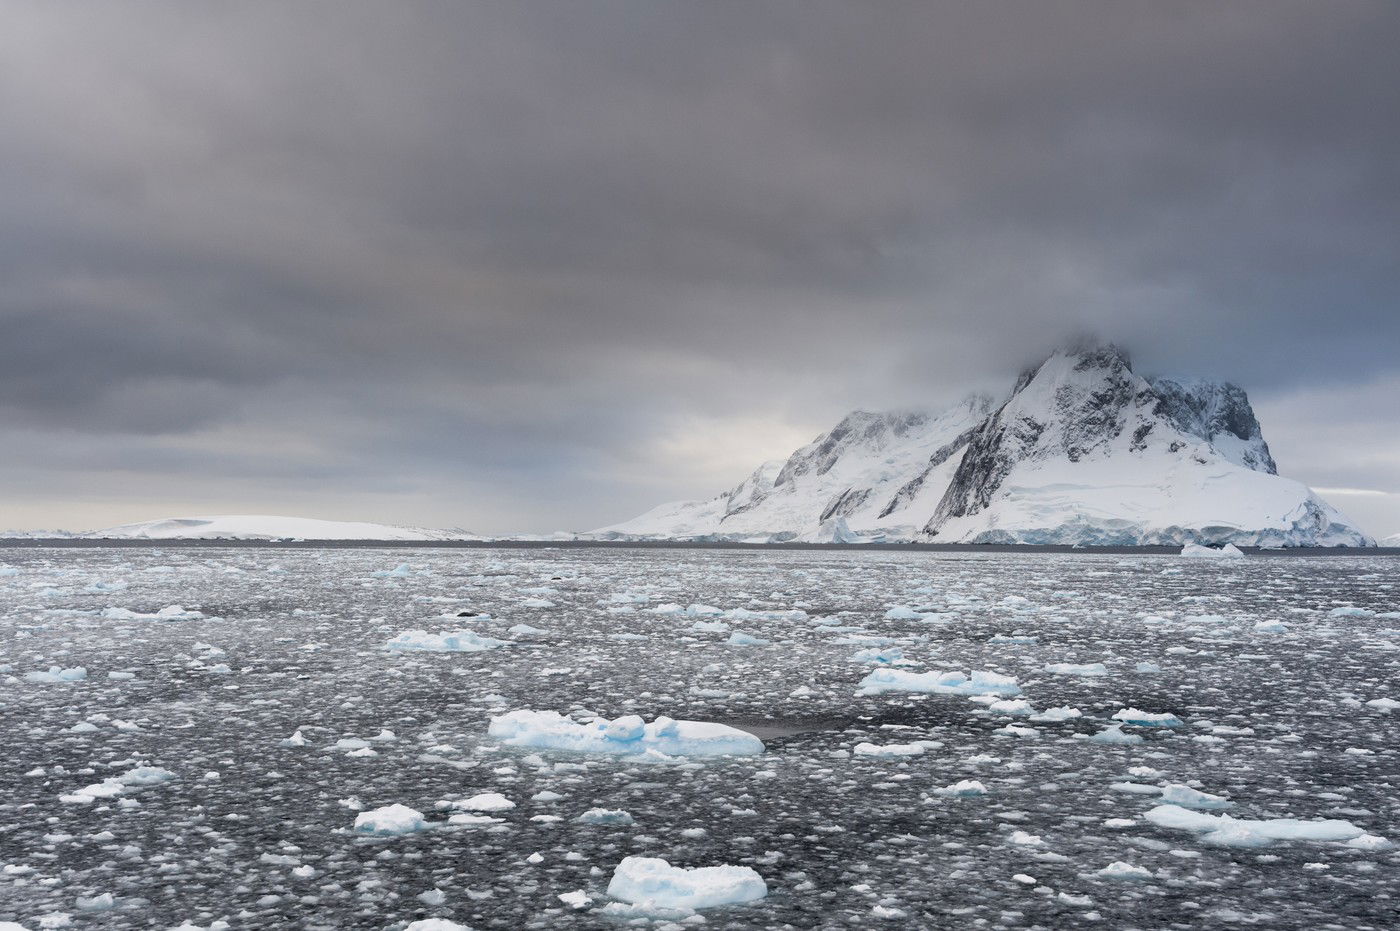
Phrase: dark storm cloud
pixel 485 264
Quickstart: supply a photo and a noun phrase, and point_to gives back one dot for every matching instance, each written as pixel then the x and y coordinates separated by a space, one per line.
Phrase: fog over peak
pixel 531 266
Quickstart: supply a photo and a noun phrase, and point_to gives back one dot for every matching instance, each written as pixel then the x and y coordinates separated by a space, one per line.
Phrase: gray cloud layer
pixel 534 265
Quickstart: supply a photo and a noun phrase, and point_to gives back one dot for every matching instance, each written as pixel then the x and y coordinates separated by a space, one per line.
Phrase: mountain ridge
pixel 1082 450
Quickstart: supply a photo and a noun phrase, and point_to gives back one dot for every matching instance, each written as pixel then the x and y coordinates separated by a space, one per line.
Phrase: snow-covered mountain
pixel 262 527
pixel 1082 451
pixel 1392 540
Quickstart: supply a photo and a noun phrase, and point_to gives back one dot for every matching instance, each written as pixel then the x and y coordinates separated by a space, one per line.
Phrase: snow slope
pixel 261 527
pixel 1082 451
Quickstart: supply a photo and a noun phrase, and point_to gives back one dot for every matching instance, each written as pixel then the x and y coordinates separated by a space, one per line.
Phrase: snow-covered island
pixel 1082 450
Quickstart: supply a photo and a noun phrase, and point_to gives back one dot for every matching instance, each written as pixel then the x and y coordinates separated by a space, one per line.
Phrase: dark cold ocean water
pixel 1284 722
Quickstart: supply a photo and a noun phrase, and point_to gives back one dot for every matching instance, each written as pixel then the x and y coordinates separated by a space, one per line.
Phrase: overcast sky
pixel 540 265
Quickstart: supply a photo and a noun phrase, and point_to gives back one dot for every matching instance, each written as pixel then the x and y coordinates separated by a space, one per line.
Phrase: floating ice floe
pixel 1113 734
pixel 389 821
pixel 1077 669
pixel 57 674
pixel 1383 704
pixel 167 613
pixel 401 571
pixel 651 881
pixel 138 778
pixel 1351 612
pixel 967 788
pixel 1013 706
pixel 876 655
pixel 979 682
pixel 1146 719
pixel 1225 831
pixel 452 641
pixel 1125 871
pixel 1270 627
pixel 625 736
pixel 1013 638
pixel 741 639
pixel 916 748
pixel 1196 550
pixel 1056 715
pixel 1187 797
pixel 485 801
pixel 606 816
pixel 435 924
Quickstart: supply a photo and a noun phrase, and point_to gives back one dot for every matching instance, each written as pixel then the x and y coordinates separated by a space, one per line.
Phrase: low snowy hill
pixel 1081 451
pixel 260 527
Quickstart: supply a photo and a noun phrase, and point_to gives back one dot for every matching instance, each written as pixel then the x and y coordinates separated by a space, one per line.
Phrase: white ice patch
pixel 138 778
pixel 979 682
pixel 1077 669
pixel 453 641
pixel 625 736
pixel 1197 551
pixel 1147 719
pixel 650 881
pixel 389 821
pixel 611 817
pixel 1225 831
pixel 167 613
pixel 967 788
pixel 891 750
pixel 57 674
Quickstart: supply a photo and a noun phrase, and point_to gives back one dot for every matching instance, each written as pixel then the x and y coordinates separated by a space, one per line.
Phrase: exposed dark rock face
pixel 911 488
pixel 1214 411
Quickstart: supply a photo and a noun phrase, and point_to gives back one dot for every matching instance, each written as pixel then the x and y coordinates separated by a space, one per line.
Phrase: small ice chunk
pixel 485 801
pixel 612 817
pixel 741 639
pixel 1270 627
pixel 1077 669
pixel 1125 871
pixel 576 899
pixel 651 881
pixel 1147 719
pixel 1113 734
pixel 1187 797
pixel 967 788
pixel 888 750
pixel 389 821
pixel 1054 715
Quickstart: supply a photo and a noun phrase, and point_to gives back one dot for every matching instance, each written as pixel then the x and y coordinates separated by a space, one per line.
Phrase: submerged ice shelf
pixel 571 738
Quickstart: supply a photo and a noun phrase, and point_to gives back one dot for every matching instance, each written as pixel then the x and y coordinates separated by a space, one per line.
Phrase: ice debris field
pixel 250 737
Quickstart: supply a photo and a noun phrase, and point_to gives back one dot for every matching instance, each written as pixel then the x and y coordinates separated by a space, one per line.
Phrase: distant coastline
pixel 90 542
